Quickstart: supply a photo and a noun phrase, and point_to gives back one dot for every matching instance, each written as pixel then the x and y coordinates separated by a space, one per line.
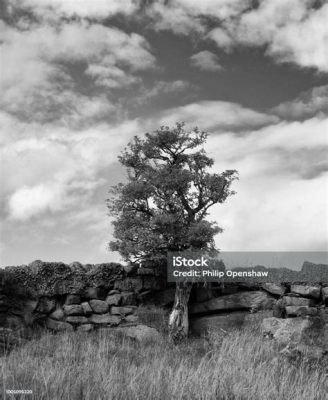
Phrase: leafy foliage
pixel 163 205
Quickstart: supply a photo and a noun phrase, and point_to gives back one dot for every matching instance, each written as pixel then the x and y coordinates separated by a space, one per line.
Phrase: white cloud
pixel 259 25
pixel 27 202
pixel 222 38
pixel 58 168
pixel 161 88
pixel 290 149
pixel 206 61
pixel 174 18
pixel 99 9
pixel 217 115
pixel 60 143
pixel 282 192
pixel 37 81
pixel 308 104
pixel 274 215
pixel 282 195
pixel 186 16
pixel 293 31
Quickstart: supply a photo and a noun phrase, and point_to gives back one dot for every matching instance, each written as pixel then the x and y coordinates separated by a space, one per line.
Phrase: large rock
pixel 274 288
pixel 141 333
pixel 77 319
pixel 87 310
pixel 306 291
pixel 297 301
pixel 298 311
pixel 58 314
pixel 113 299
pixel 105 319
pixel 73 309
pixel 58 326
pixel 98 306
pixel 239 301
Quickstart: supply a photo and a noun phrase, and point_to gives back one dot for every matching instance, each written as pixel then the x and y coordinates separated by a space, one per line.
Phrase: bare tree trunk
pixel 178 321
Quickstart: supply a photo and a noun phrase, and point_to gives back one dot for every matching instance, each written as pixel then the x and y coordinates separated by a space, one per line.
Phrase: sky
pixel 80 78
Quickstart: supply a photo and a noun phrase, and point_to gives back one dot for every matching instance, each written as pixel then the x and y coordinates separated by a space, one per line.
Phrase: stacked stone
pixel 300 322
pixel 234 305
pixel 84 297
pixel 301 300
pixel 75 296
pixel 92 309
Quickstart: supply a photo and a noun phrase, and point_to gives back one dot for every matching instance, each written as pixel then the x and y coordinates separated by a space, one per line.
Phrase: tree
pixel 164 203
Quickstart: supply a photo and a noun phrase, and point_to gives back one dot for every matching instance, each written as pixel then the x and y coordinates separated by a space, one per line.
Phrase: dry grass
pixel 98 366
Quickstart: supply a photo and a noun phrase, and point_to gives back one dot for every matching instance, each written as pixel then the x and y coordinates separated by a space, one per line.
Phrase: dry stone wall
pixel 63 297
pixel 235 305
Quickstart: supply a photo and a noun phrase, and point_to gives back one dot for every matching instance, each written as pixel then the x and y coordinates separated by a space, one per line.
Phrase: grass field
pixel 77 366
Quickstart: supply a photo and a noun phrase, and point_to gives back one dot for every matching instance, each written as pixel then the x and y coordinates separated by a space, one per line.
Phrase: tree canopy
pixel 164 202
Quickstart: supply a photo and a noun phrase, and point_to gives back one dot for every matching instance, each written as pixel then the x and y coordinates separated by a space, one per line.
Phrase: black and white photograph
pixel 164 199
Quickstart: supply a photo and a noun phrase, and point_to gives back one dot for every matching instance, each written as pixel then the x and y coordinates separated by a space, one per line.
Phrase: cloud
pixel 282 192
pixel 206 61
pixel 188 16
pixel 45 88
pixel 99 9
pixel 161 88
pixel 308 104
pixel 285 150
pixel 274 215
pixel 217 116
pixel 66 76
pixel 27 202
pixel 222 38
pixel 60 169
pixel 292 31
